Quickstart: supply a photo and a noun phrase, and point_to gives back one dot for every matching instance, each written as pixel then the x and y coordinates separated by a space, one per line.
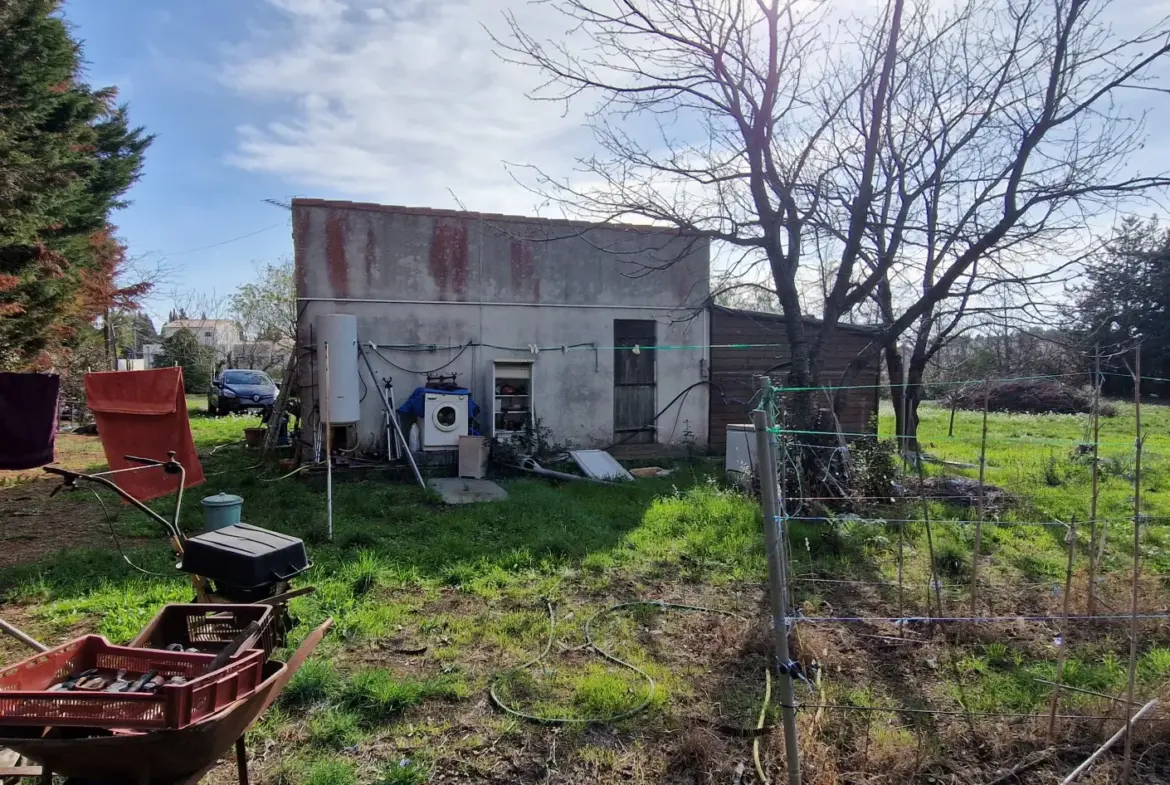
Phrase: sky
pixel 393 101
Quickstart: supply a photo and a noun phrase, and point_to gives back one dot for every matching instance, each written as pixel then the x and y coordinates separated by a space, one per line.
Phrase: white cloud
pixel 396 101
pixel 310 7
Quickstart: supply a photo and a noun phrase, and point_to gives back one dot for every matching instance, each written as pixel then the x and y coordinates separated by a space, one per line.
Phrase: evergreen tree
pixel 67 155
pixel 197 360
pixel 1127 299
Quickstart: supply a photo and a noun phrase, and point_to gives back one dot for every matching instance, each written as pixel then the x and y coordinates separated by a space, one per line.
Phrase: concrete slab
pixel 461 490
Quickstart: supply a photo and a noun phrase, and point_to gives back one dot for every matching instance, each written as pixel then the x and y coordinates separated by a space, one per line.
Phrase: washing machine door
pixel 445 416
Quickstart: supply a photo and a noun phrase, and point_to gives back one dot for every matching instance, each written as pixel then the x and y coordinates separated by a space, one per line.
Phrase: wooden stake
pixel 981 502
pixel 934 581
pixel 1063 648
pixel 1137 542
pixel 1096 549
pixel 901 584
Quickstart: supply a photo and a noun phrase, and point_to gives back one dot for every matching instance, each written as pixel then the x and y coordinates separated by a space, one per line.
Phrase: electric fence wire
pixel 590 346
pixel 986 521
pixel 1037 619
pixel 118 543
pixel 972 438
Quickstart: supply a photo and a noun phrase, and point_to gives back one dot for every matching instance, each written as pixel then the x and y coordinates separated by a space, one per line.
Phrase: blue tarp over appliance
pixel 413 407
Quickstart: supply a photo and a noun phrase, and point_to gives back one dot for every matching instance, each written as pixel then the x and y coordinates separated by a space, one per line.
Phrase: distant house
pixel 597 334
pixel 267 356
pixel 219 334
pixel 149 352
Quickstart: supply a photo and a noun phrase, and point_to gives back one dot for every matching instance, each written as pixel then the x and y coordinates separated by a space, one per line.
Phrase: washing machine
pixel 444 420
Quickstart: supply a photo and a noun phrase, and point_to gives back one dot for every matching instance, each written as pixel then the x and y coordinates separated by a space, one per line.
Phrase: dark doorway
pixel 634 386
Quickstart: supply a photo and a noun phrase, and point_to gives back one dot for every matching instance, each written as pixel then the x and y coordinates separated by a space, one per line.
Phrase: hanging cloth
pixel 28 419
pixel 144 413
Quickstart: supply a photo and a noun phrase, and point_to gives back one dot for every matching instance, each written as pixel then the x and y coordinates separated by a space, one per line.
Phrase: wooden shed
pixel 735 372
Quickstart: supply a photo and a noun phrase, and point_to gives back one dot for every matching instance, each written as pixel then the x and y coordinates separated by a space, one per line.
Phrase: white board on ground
pixel 600 465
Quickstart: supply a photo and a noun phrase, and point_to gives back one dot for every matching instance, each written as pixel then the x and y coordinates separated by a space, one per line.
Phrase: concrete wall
pixel 424 284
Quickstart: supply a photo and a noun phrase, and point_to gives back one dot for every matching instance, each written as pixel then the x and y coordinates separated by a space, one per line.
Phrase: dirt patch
pixel 72 452
pixel 37 525
pixel 961 492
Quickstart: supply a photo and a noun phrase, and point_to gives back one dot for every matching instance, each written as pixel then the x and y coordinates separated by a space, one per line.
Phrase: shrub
pixel 1033 396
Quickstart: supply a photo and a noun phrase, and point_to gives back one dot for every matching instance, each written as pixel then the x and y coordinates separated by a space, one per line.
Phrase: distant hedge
pixel 1037 396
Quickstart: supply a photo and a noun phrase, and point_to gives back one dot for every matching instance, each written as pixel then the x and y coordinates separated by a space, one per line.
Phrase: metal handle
pixel 144 461
pixel 292 574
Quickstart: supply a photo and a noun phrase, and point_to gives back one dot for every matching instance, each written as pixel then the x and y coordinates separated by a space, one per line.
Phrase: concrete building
pixel 219 334
pixel 149 352
pixel 539 318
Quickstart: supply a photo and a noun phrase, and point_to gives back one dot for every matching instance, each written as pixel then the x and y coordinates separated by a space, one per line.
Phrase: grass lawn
pixel 433 606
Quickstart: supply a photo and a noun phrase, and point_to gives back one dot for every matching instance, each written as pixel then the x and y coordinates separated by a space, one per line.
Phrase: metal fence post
pixel 777 579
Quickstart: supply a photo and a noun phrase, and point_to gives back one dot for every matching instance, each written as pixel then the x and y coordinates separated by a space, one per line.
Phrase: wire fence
pixel 915 507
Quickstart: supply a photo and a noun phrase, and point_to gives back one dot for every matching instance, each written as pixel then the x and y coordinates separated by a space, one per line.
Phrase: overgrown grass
pixel 377 697
pixel 463 590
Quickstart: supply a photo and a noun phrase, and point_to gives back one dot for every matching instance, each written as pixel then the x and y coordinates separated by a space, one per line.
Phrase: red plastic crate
pixel 207 627
pixel 25 699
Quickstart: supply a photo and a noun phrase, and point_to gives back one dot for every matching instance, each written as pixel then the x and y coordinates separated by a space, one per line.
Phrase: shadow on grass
pixel 540 524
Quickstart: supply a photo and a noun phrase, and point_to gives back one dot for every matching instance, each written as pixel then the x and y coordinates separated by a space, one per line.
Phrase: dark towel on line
pixel 28 419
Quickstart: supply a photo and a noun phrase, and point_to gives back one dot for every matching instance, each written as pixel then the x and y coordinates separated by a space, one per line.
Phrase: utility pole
pixel 777 578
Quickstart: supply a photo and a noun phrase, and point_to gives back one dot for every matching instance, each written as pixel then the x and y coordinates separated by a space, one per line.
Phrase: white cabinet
pixel 513 398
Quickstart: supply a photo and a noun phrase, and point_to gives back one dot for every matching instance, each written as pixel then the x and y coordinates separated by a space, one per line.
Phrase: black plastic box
pixel 244 557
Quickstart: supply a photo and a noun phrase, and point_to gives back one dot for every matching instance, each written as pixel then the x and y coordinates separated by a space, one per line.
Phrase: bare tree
pixel 206 316
pixel 265 310
pixel 934 150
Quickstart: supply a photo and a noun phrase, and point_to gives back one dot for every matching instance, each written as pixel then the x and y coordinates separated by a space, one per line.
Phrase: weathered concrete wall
pixel 418 279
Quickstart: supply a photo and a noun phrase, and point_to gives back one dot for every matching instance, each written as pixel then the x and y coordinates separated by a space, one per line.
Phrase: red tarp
pixel 144 413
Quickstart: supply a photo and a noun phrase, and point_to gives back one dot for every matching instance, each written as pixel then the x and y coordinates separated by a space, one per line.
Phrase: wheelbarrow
pixel 167 757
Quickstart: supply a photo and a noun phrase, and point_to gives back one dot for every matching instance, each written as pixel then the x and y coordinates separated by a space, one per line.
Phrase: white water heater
pixel 339 332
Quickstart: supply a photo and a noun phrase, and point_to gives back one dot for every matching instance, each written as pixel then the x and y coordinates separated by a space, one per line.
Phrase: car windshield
pixel 245 377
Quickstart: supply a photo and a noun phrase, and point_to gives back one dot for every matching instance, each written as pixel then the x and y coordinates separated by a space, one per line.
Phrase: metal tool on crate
pixel 238 563
pixel 165 757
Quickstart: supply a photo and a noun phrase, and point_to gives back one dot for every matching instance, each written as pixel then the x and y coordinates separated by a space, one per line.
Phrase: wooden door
pixel 634 384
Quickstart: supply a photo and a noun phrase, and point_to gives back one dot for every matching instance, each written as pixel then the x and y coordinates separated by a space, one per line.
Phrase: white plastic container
pixel 339 331
pixel 741 449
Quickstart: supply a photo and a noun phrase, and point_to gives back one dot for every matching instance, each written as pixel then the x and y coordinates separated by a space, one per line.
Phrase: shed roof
pixel 766 316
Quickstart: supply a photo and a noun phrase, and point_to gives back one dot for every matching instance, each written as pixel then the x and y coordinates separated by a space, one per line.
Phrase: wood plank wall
pixel 736 370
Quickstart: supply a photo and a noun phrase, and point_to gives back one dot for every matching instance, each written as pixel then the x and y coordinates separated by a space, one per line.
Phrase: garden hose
pixel 590 643
pixel 760 726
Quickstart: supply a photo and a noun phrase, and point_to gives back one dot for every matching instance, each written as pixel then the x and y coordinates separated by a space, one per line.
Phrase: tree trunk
pixel 906 395
pixel 111 344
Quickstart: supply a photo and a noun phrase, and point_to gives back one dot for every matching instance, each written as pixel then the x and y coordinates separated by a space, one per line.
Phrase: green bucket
pixel 220 510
